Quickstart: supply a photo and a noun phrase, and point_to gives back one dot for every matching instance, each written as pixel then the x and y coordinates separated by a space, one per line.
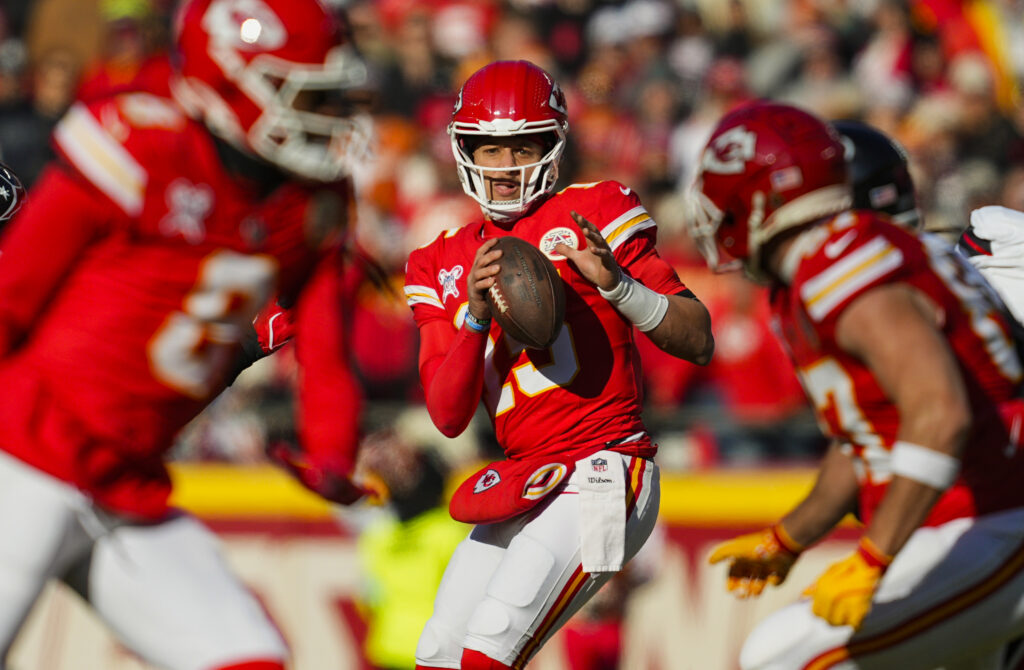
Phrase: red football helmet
pixel 767 168
pixel 269 76
pixel 504 99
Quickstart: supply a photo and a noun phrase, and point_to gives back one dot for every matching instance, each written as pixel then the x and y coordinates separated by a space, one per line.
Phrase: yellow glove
pixel 842 595
pixel 757 559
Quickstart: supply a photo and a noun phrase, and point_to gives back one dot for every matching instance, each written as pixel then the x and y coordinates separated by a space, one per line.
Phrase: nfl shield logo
pixel 599 464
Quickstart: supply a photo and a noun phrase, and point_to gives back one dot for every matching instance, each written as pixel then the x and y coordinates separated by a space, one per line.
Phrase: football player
pixel 127 281
pixel 578 494
pixel 909 363
pixel 992 241
pixel 879 173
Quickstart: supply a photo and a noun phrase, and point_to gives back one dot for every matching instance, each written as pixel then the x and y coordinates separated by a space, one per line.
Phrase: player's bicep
pixel 894 330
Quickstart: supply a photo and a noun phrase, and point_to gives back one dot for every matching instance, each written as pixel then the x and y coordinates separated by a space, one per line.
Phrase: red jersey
pixel 125 285
pixel 585 389
pixel 854 253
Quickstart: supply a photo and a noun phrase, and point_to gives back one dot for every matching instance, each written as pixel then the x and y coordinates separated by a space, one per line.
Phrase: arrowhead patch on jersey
pixel 560 235
pixel 504 489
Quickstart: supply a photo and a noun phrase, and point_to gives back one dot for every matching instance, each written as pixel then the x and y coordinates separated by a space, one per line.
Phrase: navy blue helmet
pixel 878 173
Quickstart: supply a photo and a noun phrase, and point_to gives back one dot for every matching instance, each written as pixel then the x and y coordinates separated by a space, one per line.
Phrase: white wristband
pixel 924 465
pixel 636 302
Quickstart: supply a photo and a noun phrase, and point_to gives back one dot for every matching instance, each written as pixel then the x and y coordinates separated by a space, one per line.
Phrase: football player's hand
pixel 842 595
pixel 274 327
pixel 333 486
pixel 482 277
pixel 596 262
pixel 757 560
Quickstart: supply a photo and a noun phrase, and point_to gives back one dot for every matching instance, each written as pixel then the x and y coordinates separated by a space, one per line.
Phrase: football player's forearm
pixel 685 332
pixel 905 507
pixel 833 496
pixel 925 460
pixel 453 384
pixel 329 394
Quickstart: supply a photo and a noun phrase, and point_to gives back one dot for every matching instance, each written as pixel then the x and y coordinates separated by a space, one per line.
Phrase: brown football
pixel 527 299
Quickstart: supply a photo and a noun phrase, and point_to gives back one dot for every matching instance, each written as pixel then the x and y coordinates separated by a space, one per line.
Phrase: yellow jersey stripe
pixel 422 295
pixel 826 291
pixel 625 226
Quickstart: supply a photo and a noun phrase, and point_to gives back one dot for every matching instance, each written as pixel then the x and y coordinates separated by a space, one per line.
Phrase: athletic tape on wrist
pixel 924 465
pixel 636 302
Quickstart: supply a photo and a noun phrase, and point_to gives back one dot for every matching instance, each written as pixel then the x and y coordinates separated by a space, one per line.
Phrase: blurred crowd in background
pixel 646 80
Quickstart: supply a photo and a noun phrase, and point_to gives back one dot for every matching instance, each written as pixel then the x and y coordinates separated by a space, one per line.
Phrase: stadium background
pixel 646 80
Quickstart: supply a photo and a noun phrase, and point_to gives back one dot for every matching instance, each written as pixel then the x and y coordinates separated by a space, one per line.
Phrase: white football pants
pixel 511 585
pixel 163 588
pixel 951 599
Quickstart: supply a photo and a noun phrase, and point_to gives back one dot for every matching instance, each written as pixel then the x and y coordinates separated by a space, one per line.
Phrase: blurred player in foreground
pixel 578 494
pixel 128 280
pixel 910 365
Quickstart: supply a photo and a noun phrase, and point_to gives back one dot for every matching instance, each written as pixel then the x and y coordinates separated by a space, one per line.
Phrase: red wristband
pixel 872 555
pixel 785 541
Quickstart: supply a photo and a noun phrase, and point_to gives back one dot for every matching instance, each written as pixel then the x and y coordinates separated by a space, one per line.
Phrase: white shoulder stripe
pixel 626 226
pixel 422 295
pixel 102 159
pixel 823 293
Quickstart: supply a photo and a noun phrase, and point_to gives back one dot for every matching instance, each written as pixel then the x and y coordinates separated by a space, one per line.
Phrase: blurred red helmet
pixel 505 99
pixel 269 76
pixel 767 168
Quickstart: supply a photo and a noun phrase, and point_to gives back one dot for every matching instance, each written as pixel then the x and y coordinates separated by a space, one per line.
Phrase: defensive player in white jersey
pixel 910 366
pixel 578 493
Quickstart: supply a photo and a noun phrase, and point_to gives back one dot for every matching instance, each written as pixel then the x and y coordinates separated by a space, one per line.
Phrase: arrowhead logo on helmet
pixel 766 169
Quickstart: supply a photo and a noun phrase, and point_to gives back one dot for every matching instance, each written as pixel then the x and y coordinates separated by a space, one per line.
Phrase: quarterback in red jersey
pixel 910 364
pixel 127 282
pixel 578 493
